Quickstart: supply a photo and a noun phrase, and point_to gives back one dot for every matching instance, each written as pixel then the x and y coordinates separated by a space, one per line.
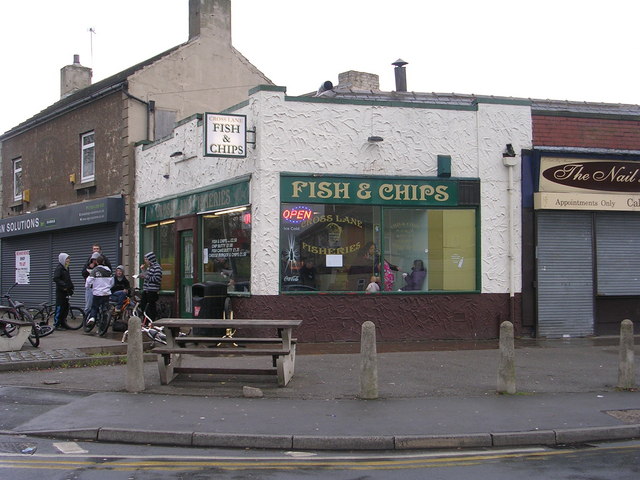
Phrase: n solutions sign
pixel 110 209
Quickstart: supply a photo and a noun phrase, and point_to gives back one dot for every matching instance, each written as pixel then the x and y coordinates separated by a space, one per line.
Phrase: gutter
pixel 63 110
pixel 123 85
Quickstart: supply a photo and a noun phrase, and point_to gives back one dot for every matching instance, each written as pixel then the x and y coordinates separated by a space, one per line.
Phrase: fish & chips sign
pixel 225 135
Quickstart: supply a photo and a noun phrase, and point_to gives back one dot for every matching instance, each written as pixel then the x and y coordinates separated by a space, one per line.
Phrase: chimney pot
pixel 401 75
pixel 74 77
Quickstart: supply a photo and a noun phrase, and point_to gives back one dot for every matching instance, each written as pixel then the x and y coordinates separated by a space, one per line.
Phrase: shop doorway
pixel 186 273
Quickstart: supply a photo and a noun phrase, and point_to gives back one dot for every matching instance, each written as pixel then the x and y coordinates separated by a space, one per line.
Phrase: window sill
pixel 82 186
pixel 16 203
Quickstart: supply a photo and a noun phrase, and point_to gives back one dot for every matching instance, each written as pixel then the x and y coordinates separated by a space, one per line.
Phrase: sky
pixel 581 50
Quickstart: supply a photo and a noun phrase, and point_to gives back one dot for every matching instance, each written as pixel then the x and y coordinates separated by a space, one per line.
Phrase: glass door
pixel 186 274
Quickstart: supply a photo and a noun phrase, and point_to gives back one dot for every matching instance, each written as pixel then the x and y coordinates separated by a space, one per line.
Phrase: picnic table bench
pixel 18 336
pixel 279 345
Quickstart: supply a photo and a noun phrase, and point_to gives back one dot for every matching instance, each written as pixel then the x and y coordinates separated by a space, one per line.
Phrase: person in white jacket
pixel 100 281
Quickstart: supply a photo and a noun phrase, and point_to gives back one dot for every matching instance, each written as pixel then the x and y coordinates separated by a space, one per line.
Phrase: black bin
pixel 208 302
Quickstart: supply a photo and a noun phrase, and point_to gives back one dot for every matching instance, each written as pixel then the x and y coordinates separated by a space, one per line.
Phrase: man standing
pixel 64 289
pixel 151 271
pixel 89 265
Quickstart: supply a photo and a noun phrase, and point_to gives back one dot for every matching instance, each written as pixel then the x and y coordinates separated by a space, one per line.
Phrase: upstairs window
pixel 88 157
pixel 17 179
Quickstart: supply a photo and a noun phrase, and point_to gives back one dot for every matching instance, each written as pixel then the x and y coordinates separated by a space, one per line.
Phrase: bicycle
pixel 156 334
pixel 17 310
pixel 45 311
pixel 120 315
pixel 102 320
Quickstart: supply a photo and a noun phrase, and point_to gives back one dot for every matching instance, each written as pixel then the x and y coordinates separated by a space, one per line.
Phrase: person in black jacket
pixel 64 289
pixel 121 288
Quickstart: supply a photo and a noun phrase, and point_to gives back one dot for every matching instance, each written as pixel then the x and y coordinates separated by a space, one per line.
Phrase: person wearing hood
pixel 100 281
pixel 121 288
pixel 64 289
pixel 89 265
pixel 151 272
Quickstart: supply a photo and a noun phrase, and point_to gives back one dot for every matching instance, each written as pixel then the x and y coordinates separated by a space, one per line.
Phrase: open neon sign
pixel 297 214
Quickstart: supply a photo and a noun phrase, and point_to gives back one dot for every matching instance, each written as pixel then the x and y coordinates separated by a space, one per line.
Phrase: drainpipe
pixel 510 160
pixel 151 106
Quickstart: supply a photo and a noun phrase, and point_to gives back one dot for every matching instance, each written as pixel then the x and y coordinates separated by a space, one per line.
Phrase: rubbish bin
pixel 208 302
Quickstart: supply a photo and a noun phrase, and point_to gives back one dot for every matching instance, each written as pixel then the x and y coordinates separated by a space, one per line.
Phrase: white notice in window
pixel 334 261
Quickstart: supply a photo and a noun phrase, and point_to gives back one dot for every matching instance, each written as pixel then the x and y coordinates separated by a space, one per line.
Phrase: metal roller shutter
pixel 565 298
pixel 39 290
pixel 77 243
pixel 44 250
pixel 617 247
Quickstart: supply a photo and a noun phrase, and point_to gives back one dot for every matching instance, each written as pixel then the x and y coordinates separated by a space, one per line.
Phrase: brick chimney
pixel 74 77
pixel 359 80
pixel 210 18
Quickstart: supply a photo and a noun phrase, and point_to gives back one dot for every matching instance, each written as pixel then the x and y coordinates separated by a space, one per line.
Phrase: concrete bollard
pixel 135 357
pixel 626 370
pixel 368 362
pixel 507 367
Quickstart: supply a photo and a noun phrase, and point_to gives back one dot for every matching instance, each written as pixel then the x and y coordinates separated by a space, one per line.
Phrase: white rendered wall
pixel 331 138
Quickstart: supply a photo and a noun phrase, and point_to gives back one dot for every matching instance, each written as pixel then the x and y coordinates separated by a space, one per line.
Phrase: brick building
pixel 581 219
pixel 68 172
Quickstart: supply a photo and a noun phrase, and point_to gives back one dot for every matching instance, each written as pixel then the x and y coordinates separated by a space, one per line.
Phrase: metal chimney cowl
pixel 401 75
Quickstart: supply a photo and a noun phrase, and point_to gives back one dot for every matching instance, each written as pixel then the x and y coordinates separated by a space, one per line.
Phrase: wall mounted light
pixel 375 139
pixel 509 156
pixel 176 154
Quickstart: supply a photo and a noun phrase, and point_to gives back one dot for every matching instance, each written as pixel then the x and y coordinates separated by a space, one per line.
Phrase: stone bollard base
pixel 626 367
pixel 507 367
pixel 135 357
pixel 368 362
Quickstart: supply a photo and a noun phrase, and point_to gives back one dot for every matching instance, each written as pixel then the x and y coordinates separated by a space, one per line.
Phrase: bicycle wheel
pixel 88 327
pixel 75 319
pixel 8 329
pixel 104 319
pixel 34 336
pixel 126 315
pixel 44 330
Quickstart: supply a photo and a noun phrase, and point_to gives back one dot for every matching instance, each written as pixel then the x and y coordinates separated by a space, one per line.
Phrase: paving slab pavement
pixel 428 398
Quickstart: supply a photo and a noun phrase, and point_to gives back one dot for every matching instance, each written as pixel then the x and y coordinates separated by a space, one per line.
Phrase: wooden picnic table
pixel 275 341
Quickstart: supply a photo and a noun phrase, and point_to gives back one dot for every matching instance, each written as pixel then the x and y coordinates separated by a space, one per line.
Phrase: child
pixel 373 285
pixel 100 281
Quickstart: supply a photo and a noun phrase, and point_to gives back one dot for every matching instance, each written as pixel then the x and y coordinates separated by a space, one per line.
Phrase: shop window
pixel 88 166
pixel 159 238
pixel 345 247
pixel 226 240
pixel 17 179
